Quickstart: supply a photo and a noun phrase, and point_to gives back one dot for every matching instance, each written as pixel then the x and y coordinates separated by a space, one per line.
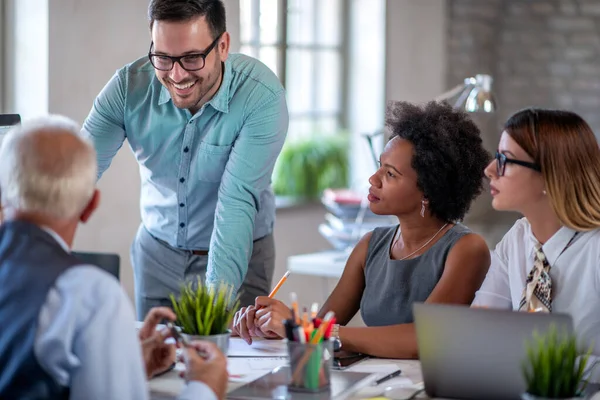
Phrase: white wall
pixel 415 49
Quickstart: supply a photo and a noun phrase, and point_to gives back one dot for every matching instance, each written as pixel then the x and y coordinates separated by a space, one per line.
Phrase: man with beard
pixel 206 128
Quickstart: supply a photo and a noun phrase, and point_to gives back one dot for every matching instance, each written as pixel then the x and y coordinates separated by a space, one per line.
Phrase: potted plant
pixel 554 367
pixel 309 164
pixel 205 313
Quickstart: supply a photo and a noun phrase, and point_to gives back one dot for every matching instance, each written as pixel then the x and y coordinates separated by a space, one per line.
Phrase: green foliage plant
pixel 310 164
pixel 204 311
pixel 554 367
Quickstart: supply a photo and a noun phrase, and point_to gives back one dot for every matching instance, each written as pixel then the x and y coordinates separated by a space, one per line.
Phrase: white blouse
pixel 574 272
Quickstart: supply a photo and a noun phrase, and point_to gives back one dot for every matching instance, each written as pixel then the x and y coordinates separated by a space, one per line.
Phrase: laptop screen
pixel 7 121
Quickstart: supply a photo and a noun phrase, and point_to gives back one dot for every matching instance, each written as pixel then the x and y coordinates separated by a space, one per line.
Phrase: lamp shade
pixel 480 98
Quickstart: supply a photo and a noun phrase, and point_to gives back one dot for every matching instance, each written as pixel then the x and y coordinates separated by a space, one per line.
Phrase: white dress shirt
pixel 575 274
pixel 86 338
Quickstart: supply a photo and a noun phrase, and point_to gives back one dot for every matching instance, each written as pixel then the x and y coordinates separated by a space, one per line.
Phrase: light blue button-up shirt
pixel 206 178
pixel 86 338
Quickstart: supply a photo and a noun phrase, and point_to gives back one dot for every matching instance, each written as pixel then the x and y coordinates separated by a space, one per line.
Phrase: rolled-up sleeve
pixel 247 174
pixel 105 125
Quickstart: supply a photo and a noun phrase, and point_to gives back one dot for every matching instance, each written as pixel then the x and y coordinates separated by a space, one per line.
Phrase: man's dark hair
pixel 449 156
pixel 184 10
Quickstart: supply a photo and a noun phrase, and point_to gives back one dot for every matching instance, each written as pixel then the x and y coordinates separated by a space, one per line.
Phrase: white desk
pixel 244 370
pixel 326 264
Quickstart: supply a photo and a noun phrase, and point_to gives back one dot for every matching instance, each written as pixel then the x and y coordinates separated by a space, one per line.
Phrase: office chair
pixel 109 262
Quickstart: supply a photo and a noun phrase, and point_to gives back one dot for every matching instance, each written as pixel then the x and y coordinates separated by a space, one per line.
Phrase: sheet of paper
pixel 247 369
pixel 259 348
pixel 380 368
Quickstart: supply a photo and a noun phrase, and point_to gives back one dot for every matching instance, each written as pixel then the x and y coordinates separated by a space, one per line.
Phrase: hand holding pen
pixel 158 355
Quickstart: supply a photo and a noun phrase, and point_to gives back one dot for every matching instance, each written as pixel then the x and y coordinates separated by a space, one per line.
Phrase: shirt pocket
pixel 211 161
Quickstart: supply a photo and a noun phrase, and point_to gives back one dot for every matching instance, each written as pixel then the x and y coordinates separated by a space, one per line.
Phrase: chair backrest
pixel 7 121
pixel 109 262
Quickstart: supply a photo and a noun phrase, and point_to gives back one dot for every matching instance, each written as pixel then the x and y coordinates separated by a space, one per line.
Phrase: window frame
pixel 283 46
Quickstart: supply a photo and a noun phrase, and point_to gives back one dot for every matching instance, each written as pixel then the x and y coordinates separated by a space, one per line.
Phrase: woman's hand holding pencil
pixel 245 321
pixel 269 318
pixel 264 319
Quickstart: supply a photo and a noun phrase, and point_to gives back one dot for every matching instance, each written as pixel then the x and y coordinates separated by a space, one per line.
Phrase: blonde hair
pixel 565 147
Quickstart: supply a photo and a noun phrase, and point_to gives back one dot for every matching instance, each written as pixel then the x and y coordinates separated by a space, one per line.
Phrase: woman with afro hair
pixel 430 172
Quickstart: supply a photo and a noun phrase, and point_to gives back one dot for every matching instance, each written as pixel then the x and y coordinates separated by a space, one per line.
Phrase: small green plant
pixel 310 164
pixel 204 311
pixel 554 367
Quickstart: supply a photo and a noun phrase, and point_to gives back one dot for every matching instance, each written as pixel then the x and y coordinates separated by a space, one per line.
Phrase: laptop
pixel 476 353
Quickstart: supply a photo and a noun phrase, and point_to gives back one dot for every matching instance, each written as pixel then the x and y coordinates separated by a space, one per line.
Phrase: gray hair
pixel 47 167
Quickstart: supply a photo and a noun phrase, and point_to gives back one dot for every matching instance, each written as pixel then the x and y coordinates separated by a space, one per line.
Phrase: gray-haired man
pixel 67 328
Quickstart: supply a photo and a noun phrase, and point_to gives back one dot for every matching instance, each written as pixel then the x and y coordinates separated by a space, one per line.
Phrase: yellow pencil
pixel 281 282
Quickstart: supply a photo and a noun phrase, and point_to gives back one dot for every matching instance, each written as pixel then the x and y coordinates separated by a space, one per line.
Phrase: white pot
pixel 222 340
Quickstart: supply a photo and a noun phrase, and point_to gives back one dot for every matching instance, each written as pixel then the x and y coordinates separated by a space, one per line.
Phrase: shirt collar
pixel 57 237
pixel 220 100
pixel 556 245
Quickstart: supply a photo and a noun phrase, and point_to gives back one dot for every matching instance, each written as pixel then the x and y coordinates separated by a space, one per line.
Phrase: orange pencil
pixel 279 284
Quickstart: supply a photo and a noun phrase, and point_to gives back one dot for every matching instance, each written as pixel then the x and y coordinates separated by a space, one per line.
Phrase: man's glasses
pixel 502 160
pixel 189 62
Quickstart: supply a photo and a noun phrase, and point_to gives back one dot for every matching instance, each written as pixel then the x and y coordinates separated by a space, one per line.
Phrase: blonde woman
pixel 547 167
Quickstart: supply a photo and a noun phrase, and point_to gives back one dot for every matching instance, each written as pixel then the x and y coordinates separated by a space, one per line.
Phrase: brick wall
pixel 540 52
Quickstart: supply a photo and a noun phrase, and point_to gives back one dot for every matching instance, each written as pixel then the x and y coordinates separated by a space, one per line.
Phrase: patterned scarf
pixel 537 294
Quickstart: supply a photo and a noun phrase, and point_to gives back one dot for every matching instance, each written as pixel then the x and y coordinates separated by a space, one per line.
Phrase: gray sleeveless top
pixel 392 286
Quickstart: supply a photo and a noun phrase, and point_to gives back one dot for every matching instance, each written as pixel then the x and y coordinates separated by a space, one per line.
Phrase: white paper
pixel 242 369
pixel 259 348
pixel 380 368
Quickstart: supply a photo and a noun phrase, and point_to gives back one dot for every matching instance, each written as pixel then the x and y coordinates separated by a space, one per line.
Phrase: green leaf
pixel 553 367
pixel 203 311
pixel 312 163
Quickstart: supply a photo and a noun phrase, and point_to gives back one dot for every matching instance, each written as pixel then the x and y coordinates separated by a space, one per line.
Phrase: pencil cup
pixel 310 366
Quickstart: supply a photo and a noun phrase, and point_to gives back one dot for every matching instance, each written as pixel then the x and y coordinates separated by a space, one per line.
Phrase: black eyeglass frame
pixel 178 59
pixel 502 160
